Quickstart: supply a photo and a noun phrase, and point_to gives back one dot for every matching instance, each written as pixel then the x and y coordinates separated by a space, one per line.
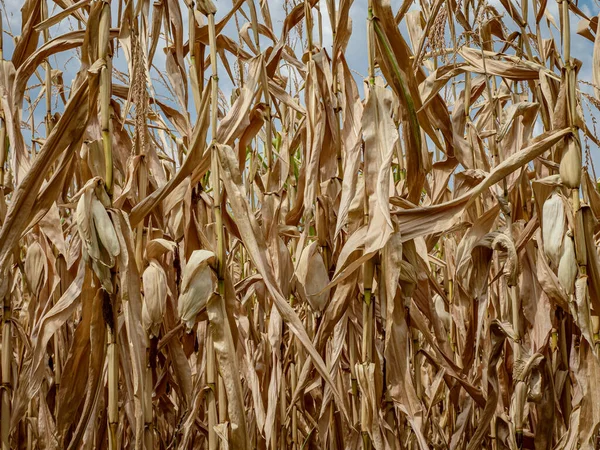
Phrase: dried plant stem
pixel 7 387
pixel 194 72
pixel 56 360
pixel 570 79
pixel 113 371
pixel 29 427
pixel 564 365
pixel 222 401
pixel 105 93
pixel 212 378
pixel 368 267
pixel 3 146
pixel 110 300
pixel 48 74
pixel 353 379
pixel 148 410
pixel 282 413
pixel 294 382
pixel 211 375
pixel 367 343
pixel 309 25
pixel 335 90
pixel 139 236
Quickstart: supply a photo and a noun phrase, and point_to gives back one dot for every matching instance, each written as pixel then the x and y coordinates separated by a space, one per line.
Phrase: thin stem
pixel 211 376
pixel 7 387
pixel 110 300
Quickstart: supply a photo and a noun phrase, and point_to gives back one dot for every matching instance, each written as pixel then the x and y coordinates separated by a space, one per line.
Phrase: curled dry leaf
pixel 158 247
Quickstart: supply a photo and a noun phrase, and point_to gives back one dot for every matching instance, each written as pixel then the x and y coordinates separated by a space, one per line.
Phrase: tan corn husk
pixel 197 286
pixel 553 227
pixel 567 267
pixel 570 164
pixel 36 267
pixel 155 298
pixel 312 278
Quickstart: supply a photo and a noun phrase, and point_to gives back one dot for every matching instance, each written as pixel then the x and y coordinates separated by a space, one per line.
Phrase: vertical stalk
pixel 596 331
pixel 367 343
pixel 222 400
pixel 48 74
pixel 478 202
pixel 110 307
pixel 7 353
pixel 513 292
pixel 570 78
pixel 213 442
pixel 335 89
pixel 148 410
pixel 294 382
pixel 139 235
pixel 29 426
pixel 309 25
pixel 105 93
pixel 368 268
pixel 55 339
pixel 6 386
pixel 3 147
pixel 282 412
pixel 353 379
pixel 194 72
pixel 209 10
pixel 113 370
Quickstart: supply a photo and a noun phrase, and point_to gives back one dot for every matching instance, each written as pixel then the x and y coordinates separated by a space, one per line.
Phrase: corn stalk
pixel 110 308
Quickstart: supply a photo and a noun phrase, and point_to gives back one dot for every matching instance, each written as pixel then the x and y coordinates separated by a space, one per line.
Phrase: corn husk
pixel 567 267
pixel 512 260
pixel 105 229
pixel 197 286
pixel 570 165
pixel 312 278
pixel 85 226
pixel 155 298
pixel 100 245
pixel 553 227
pixel 582 313
pixel 440 310
pixel 36 267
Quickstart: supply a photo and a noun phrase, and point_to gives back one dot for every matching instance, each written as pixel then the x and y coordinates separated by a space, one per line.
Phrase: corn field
pixel 216 233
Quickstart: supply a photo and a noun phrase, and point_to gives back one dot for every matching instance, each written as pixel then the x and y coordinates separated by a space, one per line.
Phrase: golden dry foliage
pixel 300 266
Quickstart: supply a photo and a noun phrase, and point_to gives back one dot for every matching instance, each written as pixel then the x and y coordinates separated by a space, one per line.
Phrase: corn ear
pixel 197 286
pixel 567 268
pixel 35 267
pixel 570 165
pixel 553 227
pixel 105 229
pixel 155 298
pixel 312 278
